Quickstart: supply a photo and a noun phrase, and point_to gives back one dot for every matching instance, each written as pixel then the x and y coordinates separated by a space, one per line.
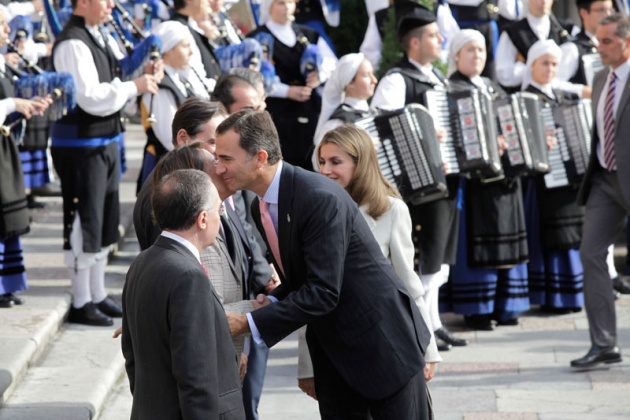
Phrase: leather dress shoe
pixel 597 356
pixel 446 336
pixel 5 301
pixel 31 203
pixel 13 298
pixel 442 345
pixel 479 322
pixel 110 308
pixel 621 285
pixel 52 189
pixel 89 314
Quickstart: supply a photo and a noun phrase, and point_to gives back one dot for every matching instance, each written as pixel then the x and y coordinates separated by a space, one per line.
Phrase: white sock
pixel 610 261
pixel 80 279
pixel 432 283
pixel 97 280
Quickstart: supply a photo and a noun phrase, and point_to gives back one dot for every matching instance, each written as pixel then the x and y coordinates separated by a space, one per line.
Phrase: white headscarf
pixel 540 48
pixel 458 42
pixel 334 91
pixel 264 16
pixel 171 33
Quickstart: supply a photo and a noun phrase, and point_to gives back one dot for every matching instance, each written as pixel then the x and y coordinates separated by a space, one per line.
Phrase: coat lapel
pixel 625 96
pixel 285 215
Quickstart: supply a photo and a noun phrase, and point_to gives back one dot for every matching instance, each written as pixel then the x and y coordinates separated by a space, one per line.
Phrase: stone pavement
pixel 53 370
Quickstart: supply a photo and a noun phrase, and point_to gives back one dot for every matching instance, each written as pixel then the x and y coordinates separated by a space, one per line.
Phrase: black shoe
pixel 510 322
pixel 621 285
pixel 479 322
pixel 32 204
pixel 6 301
pixel 596 356
pixel 16 300
pixel 52 189
pixel 109 307
pixel 442 345
pixel 89 314
pixel 446 336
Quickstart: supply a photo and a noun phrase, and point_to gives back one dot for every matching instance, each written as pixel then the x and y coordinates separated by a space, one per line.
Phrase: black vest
pixel 209 60
pixel 585 47
pixel 348 114
pixel 287 59
pixel 459 81
pixel 523 37
pixel 168 84
pixel 416 83
pixel 487 10
pixel 79 123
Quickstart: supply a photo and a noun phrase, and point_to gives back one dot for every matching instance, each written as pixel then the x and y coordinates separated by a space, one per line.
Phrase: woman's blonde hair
pixel 368 186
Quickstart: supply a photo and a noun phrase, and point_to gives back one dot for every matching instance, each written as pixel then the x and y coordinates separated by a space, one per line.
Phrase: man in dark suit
pixel 179 356
pixel 605 190
pixel 365 334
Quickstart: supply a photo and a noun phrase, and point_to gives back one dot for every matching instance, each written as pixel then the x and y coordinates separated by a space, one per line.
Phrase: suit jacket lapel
pixel 285 215
pixel 625 96
pixel 226 254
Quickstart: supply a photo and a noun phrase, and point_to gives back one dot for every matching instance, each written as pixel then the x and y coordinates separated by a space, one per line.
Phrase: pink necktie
pixel 609 126
pixel 204 269
pixel 270 232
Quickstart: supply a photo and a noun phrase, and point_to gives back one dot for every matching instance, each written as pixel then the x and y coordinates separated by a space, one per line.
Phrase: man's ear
pixel 261 158
pixel 182 137
pixel 202 220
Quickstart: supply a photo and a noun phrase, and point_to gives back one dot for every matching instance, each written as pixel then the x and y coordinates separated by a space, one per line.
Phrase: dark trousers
pixel 254 379
pixel 338 401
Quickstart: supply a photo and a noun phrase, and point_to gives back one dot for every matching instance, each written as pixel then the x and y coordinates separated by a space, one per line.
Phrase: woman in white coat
pixel 347 156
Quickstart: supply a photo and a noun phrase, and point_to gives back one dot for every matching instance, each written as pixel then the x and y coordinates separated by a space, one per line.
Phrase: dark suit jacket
pixel 146 231
pixel 176 341
pixel 622 132
pixel 340 284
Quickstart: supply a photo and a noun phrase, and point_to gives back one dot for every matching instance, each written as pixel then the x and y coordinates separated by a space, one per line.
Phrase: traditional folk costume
pixel 174 89
pixel 14 216
pixel 85 154
pixel 435 224
pixel 489 280
pixel 554 222
pixel 295 121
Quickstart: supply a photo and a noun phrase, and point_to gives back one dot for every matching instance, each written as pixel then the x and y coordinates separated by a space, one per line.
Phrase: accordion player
pixel 470 147
pixel 408 152
pixel 569 159
pixel 525 134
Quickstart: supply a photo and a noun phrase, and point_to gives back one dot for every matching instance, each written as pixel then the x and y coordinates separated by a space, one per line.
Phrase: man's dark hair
pixel 190 156
pixel 179 198
pixel 193 114
pixel 235 77
pixel 257 132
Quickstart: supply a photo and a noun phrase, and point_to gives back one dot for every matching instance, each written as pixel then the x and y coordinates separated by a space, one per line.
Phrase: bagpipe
pixel 33 82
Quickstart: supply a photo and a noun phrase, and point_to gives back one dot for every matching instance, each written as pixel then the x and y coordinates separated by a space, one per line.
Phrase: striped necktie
pixel 609 125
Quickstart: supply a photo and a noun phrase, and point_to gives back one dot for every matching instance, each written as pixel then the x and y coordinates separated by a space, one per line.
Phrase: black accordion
pixel 408 152
pixel 470 147
pixel 568 161
pixel 525 134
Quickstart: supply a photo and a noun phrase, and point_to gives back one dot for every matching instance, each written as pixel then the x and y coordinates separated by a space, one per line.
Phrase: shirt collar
pixel 284 33
pixel 427 70
pixel 356 103
pixel 540 25
pixel 271 196
pixel 546 89
pixel 184 242
pixel 622 72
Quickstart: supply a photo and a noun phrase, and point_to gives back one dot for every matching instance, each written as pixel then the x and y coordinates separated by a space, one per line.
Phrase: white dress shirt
pixel 100 99
pixel 184 242
pixel 621 73
pixel 7 105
